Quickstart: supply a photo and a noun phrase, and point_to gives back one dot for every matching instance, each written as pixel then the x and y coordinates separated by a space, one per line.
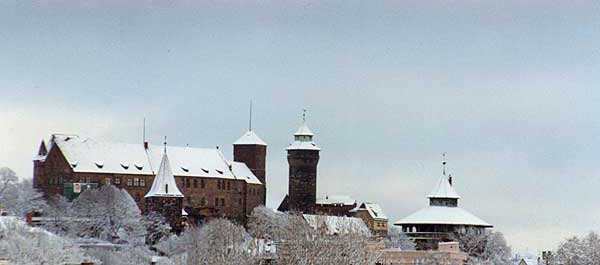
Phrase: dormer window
pixel 139 166
pixel 74 164
pixel 205 170
pixel 184 168
pixel 125 165
pixel 219 171
pixel 99 164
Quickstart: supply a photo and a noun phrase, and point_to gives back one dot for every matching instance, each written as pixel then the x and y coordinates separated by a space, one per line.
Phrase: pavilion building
pixel 443 220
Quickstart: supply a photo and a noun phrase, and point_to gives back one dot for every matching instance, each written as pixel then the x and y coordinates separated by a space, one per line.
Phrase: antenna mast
pixel 250 119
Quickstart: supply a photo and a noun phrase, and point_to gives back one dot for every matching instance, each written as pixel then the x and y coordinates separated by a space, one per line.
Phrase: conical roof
pixel 164 184
pixel 249 138
pixel 304 130
pixel 443 189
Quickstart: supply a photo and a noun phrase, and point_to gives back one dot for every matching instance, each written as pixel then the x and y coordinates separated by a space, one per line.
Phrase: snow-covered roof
pixel 337 224
pixel 241 171
pixel 443 215
pixel 304 130
pixel 164 183
pixel 443 189
pixel 373 209
pixel 91 156
pixel 336 199
pixel 249 138
pixel 303 139
pixel 298 145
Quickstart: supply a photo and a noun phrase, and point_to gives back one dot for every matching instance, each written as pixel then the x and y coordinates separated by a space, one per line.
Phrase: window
pixel 216 202
pixel 218 184
pixel 222 202
pixel 107 181
pixel 117 181
pixel 228 185
pixel 136 182
pixel 129 182
pixel 50 181
pixel 187 183
pixel 195 183
pixel 137 197
pixel 202 184
pixel 240 201
pixel 142 183
pixel 202 202
pixel 189 199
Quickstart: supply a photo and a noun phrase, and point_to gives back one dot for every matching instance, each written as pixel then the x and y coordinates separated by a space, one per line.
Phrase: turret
pixel 164 197
pixel 303 157
pixel 252 151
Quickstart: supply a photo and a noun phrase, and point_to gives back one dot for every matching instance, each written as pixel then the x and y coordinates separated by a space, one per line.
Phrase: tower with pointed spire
pixel 252 151
pixel 303 157
pixel 164 197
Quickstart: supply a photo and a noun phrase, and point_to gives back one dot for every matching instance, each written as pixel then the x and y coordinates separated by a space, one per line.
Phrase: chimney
pixel 145 145
pixel 450 179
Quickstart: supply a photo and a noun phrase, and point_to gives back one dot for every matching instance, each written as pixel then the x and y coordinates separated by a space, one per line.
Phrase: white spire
pixel 164 184
pixel 443 189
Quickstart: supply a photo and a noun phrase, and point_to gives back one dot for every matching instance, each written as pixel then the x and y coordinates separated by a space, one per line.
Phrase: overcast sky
pixel 508 89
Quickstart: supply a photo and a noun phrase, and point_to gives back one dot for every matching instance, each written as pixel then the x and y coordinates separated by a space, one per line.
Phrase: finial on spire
pixel 250 119
pixel 444 164
pixel 303 115
pixel 165 145
pixel 144 131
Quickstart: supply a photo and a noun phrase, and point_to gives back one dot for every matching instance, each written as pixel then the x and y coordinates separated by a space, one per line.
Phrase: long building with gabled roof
pixel 212 185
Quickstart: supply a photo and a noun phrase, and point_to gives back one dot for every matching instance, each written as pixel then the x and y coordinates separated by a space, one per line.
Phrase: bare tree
pixel 217 242
pixel 18 197
pixel 485 248
pixel 579 250
pixel 107 213
pixel 299 243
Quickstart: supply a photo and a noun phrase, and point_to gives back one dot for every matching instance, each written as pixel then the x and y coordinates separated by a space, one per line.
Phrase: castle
pixel 199 183
pixel 211 185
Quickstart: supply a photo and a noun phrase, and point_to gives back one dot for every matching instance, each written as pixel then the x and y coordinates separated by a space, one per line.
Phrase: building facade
pixel 443 220
pixel 212 185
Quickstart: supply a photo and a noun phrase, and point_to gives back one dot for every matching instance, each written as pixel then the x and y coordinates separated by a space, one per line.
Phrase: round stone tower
pixel 303 157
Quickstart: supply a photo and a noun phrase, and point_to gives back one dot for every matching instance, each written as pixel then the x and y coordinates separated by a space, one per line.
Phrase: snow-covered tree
pixel 58 214
pixel 18 197
pixel 107 213
pixel 157 227
pixel 25 245
pixel 217 242
pixel 398 239
pixel 579 250
pixel 299 243
pixel 486 248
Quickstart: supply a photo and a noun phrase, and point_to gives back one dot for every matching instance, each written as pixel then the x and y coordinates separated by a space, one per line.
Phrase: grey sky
pixel 507 89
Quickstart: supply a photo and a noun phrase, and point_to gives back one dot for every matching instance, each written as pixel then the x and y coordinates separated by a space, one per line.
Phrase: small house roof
pixel 374 210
